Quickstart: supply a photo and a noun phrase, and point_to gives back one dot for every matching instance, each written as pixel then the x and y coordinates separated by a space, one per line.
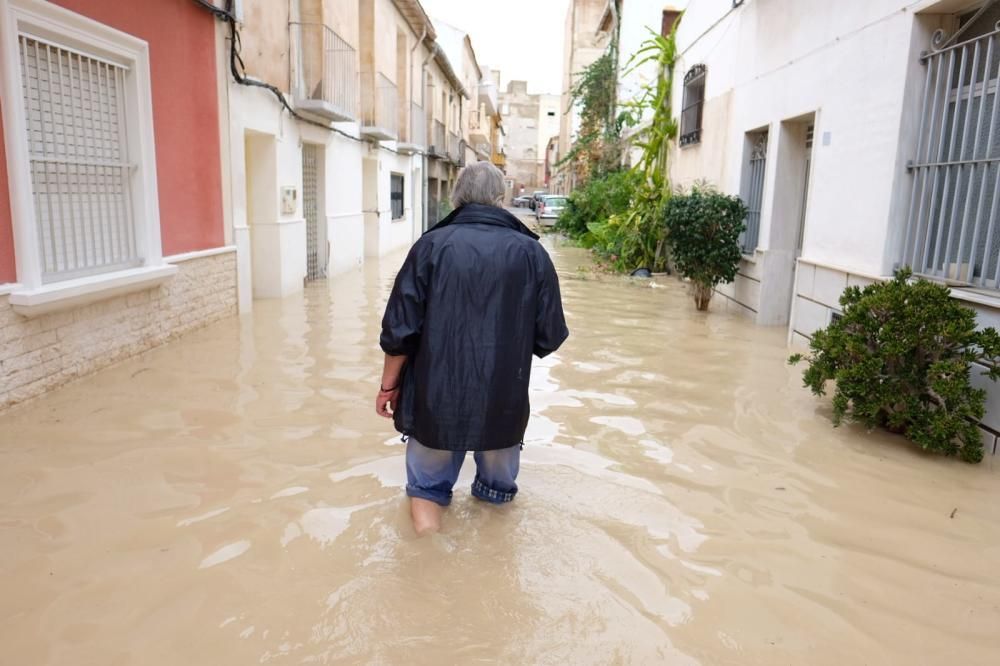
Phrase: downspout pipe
pixel 423 105
pixel 423 169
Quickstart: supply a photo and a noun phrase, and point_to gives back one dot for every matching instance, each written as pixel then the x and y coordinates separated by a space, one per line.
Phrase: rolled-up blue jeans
pixel 431 473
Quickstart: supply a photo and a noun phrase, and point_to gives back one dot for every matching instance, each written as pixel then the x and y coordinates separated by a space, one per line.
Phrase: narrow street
pixel 231 498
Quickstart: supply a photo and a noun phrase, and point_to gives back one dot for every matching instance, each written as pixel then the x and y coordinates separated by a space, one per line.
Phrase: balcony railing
pixel 455 148
pixel 438 140
pixel 328 66
pixel 418 125
pixel 381 119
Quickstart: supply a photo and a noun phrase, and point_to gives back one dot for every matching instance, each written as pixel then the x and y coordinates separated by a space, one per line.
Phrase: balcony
pixel 488 92
pixel 418 131
pixel 327 84
pixel 500 159
pixel 479 127
pixel 438 147
pixel 456 149
pixel 380 120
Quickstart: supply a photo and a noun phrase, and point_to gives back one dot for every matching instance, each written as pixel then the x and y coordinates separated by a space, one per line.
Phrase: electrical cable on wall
pixel 238 69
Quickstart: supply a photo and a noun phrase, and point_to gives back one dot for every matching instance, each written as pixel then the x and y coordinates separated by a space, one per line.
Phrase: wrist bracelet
pixel 390 390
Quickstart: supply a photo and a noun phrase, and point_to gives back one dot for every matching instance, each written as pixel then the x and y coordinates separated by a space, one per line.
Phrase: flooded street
pixel 232 498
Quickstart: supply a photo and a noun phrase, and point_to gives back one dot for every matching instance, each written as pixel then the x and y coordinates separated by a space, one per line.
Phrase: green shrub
pixel 901 357
pixel 597 201
pixel 634 238
pixel 703 231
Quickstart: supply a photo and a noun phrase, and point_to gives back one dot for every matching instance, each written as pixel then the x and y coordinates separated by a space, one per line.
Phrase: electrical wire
pixel 238 69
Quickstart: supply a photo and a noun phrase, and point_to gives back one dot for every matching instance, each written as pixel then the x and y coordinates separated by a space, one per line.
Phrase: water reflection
pixel 683 501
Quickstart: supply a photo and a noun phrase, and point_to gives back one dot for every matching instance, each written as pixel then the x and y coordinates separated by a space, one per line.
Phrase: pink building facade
pixel 112 231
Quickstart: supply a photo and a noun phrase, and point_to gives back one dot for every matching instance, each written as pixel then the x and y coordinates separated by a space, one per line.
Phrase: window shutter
pixel 79 156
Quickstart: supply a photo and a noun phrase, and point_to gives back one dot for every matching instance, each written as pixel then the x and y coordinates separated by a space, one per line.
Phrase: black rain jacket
pixel 476 296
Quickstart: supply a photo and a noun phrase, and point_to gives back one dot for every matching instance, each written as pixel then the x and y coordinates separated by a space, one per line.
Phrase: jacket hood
pixel 481 214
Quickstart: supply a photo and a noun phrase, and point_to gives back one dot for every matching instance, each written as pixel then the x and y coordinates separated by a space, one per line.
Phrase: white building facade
pixel 341 175
pixel 861 140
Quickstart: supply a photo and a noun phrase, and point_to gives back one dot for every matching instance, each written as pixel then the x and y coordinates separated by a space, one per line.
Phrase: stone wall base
pixel 40 354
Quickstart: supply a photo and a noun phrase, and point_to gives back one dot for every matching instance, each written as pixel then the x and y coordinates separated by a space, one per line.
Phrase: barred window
pixel 755 169
pixel 693 104
pixel 396 195
pixel 76 120
pixel 953 225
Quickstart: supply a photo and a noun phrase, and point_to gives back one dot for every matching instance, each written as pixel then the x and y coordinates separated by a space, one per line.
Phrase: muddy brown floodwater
pixel 231 498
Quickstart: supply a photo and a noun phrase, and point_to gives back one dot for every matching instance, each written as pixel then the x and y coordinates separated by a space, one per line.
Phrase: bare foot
pixel 426 516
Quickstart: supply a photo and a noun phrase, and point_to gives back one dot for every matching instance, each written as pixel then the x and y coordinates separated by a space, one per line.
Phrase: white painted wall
pixel 848 64
pixel 638 18
pixel 853 68
pixel 272 263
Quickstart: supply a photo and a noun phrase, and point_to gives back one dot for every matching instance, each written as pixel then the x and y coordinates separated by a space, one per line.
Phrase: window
pixel 79 160
pixel 396 195
pixel 752 193
pixel 693 104
pixel 953 227
pixel 88 184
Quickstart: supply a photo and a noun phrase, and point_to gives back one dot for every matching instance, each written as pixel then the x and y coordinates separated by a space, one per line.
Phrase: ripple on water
pixel 226 553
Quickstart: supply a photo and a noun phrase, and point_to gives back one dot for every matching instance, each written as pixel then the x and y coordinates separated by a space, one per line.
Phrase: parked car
pixel 549 208
pixel 536 196
pixel 521 201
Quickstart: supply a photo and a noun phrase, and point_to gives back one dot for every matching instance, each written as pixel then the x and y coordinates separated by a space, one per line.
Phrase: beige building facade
pixel 530 121
pixel 584 42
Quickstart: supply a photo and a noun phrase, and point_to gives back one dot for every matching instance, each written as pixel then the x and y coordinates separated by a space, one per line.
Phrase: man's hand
pixel 386 402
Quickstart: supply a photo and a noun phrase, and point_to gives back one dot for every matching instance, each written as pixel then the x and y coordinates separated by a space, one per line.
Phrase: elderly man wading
pixel 476 296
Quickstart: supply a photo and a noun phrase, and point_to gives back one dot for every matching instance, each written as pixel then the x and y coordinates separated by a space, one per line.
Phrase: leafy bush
pixel 634 238
pixel 597 201
pixel 901 357
pixel 703 230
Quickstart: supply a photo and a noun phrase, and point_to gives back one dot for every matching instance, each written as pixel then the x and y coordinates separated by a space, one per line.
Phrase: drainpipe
pixel 423 105
pixel 423 170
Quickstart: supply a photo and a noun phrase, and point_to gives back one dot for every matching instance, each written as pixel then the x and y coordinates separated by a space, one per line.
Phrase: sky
pixel 521 38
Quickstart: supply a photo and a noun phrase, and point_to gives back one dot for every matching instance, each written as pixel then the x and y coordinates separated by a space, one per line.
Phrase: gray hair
pixel 480 183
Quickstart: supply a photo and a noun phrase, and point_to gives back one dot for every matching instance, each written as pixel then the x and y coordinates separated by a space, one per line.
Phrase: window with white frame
pixel 87 165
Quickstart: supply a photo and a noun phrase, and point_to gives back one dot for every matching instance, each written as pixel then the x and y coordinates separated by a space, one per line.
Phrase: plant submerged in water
pixel 901 356
pixel 703 229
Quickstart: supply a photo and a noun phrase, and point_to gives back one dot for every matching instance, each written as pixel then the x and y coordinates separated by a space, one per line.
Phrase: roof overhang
pixel 449 71
pixel 415 15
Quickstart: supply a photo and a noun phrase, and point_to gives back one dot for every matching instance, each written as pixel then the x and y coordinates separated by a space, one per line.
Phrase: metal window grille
pixel 329 67
pixel 953 229
pixel 80 169
pixel 396 195
pixel 694 102
pixel 753 190
pixel 310 209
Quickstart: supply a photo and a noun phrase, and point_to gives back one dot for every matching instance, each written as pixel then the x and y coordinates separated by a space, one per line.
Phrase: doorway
pixel 262 213
pixel 370 204
pixel 789 214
